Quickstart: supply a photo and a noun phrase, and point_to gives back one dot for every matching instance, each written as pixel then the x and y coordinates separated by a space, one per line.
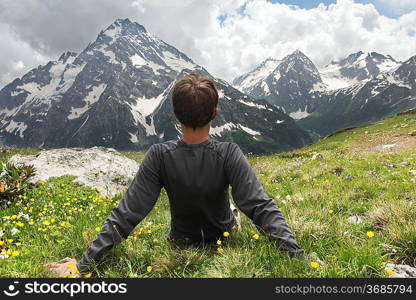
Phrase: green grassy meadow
pixel 317 188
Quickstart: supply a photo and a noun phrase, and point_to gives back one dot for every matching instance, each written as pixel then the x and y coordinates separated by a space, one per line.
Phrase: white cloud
pixel 247 36
pixel 324 33
pixel 17 56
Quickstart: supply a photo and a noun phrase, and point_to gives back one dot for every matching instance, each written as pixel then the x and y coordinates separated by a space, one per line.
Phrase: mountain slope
pixel 362 88
pixel 356 67
pixel 253 82
pixel 290 86
pixel 383 96
pixel 114 94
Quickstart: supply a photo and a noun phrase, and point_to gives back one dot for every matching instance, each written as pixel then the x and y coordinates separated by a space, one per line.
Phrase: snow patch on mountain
pixel 357 67
pixel 140 119
pixel 112 57
pixel 62 77
pixel 333 79
pixel 249 130
pixel 217 130
pixel 133 138
pixel 92 97
pixel 257 75
pixel 137 60
pixel 16 128
pixel 297 115
pixel 113 31
pixel 145 106
pixel 393 79
pixel 176 62
pixel 252 104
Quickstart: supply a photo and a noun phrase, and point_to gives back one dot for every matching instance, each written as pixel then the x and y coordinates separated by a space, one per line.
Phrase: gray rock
pixel 401 271
pixel 104 169
pixel 355 220
pixel 316 156
pixel 388 248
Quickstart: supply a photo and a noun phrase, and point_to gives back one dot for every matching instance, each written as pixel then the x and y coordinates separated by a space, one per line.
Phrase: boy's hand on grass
pixel 66 268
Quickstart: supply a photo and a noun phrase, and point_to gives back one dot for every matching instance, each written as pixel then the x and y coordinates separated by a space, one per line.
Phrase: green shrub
pixel 13 180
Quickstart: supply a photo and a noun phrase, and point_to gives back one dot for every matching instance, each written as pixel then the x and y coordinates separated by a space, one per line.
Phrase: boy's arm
pixel 137 202
pixel 250 198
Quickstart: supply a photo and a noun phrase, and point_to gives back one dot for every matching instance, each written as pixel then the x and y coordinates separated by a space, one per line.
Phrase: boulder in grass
pixel 401 271
pixel 104 169
pixel 316 156
pixel 355 220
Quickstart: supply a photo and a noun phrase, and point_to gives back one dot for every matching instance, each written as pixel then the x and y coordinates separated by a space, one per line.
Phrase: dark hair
pixel 194 100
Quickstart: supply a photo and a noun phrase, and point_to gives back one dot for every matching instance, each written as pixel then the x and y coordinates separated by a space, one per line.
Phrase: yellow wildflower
pixel 330 211
pixel 220 250
pixel 149 269
pixel 15 253
pixel 98 229
pixel 256 236
pixel 389 272
pixel 370 234
pixel 88 275
pixel 20 224
pixel 218 242
pixel 226 234
pixel 314 265
pixel 46 223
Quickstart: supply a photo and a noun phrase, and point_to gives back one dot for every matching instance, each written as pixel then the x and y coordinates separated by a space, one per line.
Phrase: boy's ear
pixel 214 114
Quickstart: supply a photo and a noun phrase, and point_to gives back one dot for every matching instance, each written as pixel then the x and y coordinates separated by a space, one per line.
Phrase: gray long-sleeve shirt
pixel 196 178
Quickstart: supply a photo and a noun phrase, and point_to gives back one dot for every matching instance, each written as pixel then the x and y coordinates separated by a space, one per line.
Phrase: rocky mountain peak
pixel 68 54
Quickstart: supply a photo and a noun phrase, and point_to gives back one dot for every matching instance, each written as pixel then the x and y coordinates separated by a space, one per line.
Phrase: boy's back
pixel 195 177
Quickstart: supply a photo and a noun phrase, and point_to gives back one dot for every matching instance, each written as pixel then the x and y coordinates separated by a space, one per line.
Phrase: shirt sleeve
pixel 250 198
pixel 135 205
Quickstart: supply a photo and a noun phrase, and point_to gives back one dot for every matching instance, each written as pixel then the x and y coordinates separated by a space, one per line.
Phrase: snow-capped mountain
pixel 291 85
pixel 362 88
pixel 356 68
pixel 253 82
pixel 383 96
pixel 116 92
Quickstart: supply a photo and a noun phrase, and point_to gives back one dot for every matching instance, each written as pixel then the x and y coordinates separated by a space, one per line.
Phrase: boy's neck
pixel 197 136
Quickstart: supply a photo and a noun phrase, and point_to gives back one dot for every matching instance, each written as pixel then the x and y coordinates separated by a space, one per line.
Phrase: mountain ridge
pixel 116 93
pixel 359 89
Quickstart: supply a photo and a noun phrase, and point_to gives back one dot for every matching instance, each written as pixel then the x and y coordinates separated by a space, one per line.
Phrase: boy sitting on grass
pixel 196 172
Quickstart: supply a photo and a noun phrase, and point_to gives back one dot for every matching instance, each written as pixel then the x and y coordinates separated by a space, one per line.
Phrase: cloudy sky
pixel 228 37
